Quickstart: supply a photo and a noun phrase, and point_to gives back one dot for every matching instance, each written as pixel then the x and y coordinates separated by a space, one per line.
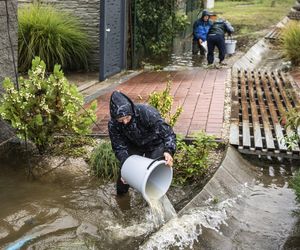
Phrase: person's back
pixel 216 38
pixel 220 27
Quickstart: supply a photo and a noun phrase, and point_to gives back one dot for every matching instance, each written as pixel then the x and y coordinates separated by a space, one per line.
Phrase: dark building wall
pixel 6 58
pixel 88 12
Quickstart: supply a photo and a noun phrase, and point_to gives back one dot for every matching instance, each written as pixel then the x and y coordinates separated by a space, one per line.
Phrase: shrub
pixel 155 31
pixel 295 183
pixel 54 36
pixel 291 42
pixel 292 122
pixel 191 161
pixel 163 102
pixel 104 162
pixel 45 106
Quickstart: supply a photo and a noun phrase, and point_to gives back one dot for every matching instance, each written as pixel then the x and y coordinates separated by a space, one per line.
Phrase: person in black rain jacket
pixel 138 129
pixel 216 38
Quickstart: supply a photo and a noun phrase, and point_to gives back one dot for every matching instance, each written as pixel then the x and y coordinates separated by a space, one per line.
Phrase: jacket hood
pixel 120 105
pixel 205 13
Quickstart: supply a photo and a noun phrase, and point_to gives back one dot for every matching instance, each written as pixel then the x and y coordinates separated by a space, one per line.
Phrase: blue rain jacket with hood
pixel 146 129
pixel 201 28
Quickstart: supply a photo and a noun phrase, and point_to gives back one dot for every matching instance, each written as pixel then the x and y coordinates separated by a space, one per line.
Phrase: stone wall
pixel 88 12
pixel 6 58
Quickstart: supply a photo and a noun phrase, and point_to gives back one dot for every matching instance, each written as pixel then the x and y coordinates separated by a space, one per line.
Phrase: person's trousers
pixel 196 47
pixel 212 42
pixel 157 152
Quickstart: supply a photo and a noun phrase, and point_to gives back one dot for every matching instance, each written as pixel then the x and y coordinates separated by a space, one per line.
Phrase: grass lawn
pixel 251 19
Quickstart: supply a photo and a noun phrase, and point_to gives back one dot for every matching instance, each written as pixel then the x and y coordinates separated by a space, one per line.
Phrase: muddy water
pixel 78 215
pixel 262 214
pixel 84 214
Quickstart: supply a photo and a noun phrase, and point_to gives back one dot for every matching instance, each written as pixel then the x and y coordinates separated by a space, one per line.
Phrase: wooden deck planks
pixel 245 114
pixel 254 110
pixel 259 104
pixel 264 113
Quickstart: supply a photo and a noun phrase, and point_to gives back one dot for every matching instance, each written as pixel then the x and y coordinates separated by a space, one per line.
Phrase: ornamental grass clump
pixel 56 37
pixel 295 183
pixel 103 162
pixel 45 106
pixel 291 42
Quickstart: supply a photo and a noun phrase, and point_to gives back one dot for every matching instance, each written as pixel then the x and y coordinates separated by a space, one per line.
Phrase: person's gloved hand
pixel 169 159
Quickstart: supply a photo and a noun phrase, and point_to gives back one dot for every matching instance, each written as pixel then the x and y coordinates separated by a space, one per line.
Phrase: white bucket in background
pixel 230 46
pixel 152 178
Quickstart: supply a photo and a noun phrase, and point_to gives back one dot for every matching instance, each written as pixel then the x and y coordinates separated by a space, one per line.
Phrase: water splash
pixel 161 210
pixel 183 231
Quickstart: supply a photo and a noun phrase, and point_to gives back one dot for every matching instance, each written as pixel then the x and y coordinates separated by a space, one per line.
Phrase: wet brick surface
pixel 200 91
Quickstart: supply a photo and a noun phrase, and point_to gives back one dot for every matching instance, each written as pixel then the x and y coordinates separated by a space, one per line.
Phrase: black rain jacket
pixel 220 27
pixel 146 130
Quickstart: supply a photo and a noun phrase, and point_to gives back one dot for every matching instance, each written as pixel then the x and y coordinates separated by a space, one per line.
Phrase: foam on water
pixel 161 210
pixel 182 231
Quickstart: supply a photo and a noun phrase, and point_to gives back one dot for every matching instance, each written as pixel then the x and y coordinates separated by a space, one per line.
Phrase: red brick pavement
pixel 200 91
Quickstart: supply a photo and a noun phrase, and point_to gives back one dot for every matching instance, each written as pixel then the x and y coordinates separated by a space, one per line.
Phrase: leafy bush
pixel 295 183
pixel 291 42
pixel 54 36
pixel 292 122
pixel 157 22
pixel 191 161
pixel 45 106
pixel 104 162
pixel 163 102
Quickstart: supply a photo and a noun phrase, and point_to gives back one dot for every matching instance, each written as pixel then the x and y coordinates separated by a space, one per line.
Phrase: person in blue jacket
pixel 216 38
pixel 138 129
pixel 200 30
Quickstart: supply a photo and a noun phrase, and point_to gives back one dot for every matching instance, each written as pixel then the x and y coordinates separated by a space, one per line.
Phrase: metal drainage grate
pixel 259 102
pixel 273 35
pixel 294 15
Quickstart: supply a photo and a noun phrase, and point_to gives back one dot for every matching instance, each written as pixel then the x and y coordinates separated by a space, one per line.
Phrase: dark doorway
pixel 112 37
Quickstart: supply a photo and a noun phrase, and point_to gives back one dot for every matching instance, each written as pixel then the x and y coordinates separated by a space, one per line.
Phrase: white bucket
pixel 230 46
pixel 152 178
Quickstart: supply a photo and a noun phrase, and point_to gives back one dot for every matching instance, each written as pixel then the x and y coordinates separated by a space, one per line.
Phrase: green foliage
pixel 291 42
pixel 157 22
pixel 54 36
pixel 295 183
pixel 250 18
pixel 103 162
pixel 292 122
pixel 163 102
pixel 191 161
pixel 45 106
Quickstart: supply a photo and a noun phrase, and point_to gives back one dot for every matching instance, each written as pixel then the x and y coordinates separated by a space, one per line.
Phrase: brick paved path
pixel 200 91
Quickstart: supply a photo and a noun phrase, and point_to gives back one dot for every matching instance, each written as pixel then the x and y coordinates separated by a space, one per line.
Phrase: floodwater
pixel 180 57
pixel 84 214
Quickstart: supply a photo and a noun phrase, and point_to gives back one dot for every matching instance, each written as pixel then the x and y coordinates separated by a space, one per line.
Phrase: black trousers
pixel 196 47
pixel 157 152
pixel 212 42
